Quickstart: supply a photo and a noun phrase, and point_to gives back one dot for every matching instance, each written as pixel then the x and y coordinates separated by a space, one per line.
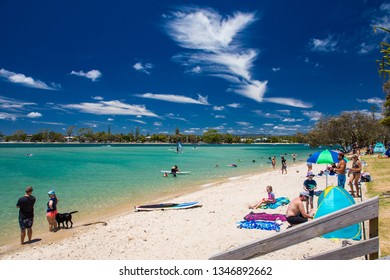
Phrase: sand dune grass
pixel 380 186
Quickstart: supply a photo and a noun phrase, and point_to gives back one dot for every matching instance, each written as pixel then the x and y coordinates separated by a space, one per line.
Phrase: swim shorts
pixel 25 223
pixel 294 220
pixel 52 214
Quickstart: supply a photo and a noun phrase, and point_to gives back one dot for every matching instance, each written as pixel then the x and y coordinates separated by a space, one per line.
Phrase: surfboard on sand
pixel 178 172
pixel 167 206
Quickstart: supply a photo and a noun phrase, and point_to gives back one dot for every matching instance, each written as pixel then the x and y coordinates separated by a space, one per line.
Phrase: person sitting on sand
pixel 296 213
pixel 270 199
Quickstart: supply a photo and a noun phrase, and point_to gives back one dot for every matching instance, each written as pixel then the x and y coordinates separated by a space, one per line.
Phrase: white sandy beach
pixel 189 234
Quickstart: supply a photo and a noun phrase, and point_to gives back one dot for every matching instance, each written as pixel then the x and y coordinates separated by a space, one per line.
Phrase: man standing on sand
pixel 26 214
pixel 340 170
pixel 296 213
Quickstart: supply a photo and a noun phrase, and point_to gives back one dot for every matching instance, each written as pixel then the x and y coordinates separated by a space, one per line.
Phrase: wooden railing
pixel 367 210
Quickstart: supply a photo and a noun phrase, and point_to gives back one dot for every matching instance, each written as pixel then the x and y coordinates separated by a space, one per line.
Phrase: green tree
pixel 212 136
pixel 344 130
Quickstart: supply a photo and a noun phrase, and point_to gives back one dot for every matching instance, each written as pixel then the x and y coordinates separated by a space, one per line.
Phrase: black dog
pixel 65 218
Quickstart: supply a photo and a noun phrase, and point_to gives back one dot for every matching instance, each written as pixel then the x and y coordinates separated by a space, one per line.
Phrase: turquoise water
pixel 99 178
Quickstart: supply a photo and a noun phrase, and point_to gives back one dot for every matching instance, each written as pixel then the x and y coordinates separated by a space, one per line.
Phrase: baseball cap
pixel 51 192
pixel 310 174
pixel 304 194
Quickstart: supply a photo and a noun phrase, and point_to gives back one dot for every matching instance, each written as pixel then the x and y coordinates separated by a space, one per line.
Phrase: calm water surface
pixel 94 179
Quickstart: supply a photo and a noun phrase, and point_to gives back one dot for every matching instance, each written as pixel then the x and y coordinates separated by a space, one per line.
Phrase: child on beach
pixel 309 185
pixel 268 200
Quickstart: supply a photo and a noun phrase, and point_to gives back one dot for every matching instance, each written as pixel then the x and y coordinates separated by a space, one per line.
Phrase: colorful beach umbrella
pixel 324 157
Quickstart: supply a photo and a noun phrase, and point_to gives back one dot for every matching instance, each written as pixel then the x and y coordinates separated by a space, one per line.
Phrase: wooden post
pixel 373 232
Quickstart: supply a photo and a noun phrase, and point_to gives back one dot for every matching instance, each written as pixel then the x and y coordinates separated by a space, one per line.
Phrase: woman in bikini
pixel 354 175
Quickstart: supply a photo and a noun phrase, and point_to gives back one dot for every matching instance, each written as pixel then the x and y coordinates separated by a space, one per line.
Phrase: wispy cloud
pixel 49 123
pixel 275 69
pixel 93 75
pixel 218 108
pixel 329 44
pixel 113 107
pixel 143 67
pixel 10 104
pixel 139 121
pixel 175 117
pixel 312 115
pixel 288 101
pixel 176 98
pixel 214 42
pixel 23 80
pixel 97 97
pixel 374 100
pixel 244 123
pixel 235 105
pixel 7 116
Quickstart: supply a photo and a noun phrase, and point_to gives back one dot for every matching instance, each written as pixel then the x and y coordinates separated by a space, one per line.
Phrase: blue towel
pixel 265 225
pixel 278 202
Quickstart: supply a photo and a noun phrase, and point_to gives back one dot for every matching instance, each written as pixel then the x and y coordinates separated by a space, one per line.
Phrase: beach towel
pixel 265 217
pixel 264 225
pixel 280 201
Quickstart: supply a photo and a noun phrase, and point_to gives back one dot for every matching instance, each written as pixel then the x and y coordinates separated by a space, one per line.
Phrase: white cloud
pixel 364 48
pixel 176 98
pixel 205 28
pixel 113 107
pixel 220 117
pixel 49 123
pixel 323 45
pixel 143 68
pixel 27 81
pixel 10 104
pixel 312 115
pixel 7 116
pixel 243 123
pixel 138 121
pixel 110 119
pixel 93 75
pixel 97 97
pixel 275 69
pixel 177 117
pixel 255 90
pixel 195 70
pixel 213 41
pixel 288 101
pixel 235 105
pixel 218 108
pixel 157 124
pixel 374 100
pixel 34 115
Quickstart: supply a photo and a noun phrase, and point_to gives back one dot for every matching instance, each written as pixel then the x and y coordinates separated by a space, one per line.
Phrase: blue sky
pixel 258 67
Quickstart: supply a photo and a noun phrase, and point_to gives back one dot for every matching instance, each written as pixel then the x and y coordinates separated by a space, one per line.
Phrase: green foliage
pixel 348 128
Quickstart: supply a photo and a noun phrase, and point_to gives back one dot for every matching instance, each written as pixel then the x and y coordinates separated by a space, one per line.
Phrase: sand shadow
pixel 35 240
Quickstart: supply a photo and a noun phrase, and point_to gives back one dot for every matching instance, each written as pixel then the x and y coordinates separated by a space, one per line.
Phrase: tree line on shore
pixel 341 132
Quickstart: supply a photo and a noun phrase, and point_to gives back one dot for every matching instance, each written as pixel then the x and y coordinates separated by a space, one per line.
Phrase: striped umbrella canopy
pixel 324 157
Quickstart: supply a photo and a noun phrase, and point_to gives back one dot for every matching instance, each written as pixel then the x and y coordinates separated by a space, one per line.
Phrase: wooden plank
pixel 350 252
pixel 345 217
pixel 373 232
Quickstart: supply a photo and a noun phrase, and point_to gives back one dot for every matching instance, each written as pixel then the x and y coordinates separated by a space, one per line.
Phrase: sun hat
pixel 51 192
pixel 310 174
pixel 304 194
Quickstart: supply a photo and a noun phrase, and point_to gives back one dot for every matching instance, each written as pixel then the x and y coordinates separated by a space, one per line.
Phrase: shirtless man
pixel 340 170
pixel 296 213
